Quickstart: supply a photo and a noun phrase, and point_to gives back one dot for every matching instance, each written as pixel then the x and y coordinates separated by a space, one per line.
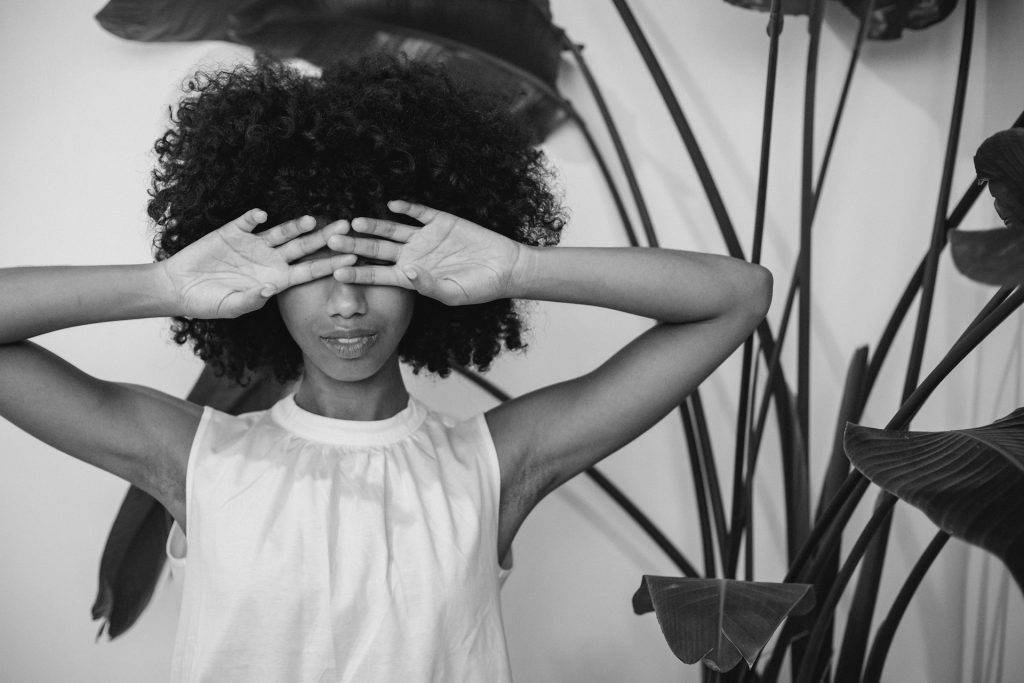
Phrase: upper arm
pixel 548 436
pixel 137 433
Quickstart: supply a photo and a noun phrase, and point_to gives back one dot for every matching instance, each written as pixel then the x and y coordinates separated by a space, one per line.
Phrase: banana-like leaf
pixel 168 20
pixel 134 555
pixel 510 47
pixel 995 257
pixel 719 621
pixel 132 561
pixel 888 18
pixel 970 482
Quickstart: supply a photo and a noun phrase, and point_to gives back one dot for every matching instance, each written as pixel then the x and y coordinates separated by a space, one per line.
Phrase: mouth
pixel 349 347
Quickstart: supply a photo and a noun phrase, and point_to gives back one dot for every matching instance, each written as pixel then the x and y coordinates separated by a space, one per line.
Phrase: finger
pixel 248 221
pixel 386 276
pixel 379 250
pixel 305 245
pixel 254 298
pixel 424 214
pixel 307 271
pixel 279 234
pixel 384 228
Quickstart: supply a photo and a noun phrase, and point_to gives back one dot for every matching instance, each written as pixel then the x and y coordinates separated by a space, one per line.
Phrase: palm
pixel 469 264
pixel 451 259
pixel 224 266
pixel 232 271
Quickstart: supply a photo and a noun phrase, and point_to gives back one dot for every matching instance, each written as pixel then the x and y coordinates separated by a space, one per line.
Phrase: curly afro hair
pixel 338 146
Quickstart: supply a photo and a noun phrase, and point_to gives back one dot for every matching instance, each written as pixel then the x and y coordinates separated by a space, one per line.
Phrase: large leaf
pixel 719 621
pixel 134 555
pixel 168 20
pixel 970 482
pixel 888 18
pixel 509 47
pixel 995 257
pixel 132 561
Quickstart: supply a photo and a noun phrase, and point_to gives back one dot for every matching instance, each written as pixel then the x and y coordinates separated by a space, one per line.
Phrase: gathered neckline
pixel 297 420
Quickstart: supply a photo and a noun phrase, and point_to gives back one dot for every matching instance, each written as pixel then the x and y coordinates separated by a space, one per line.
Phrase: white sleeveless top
pixel 326 550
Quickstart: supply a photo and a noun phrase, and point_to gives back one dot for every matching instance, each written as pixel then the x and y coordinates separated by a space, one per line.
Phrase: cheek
pixel 296 306
pixel 397 304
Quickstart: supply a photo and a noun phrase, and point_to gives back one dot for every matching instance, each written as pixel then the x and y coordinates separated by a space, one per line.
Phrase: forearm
pixel 666 285
pixel 37 300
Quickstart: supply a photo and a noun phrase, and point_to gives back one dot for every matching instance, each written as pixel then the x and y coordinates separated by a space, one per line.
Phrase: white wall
pixel 80 112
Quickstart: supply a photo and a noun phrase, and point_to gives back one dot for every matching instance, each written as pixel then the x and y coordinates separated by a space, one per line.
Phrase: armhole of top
pixel 177 541
pixel 494 467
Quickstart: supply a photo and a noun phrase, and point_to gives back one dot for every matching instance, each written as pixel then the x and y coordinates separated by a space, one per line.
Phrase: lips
pixel 349 343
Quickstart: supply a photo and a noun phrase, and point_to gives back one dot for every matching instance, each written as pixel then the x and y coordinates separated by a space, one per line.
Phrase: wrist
pixel 162 291
pixel 523 272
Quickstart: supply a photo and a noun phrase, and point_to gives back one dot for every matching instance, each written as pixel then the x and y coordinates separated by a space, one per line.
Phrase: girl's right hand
pixel 232 271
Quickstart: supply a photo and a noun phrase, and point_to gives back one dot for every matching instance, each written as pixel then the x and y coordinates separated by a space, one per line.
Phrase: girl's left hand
pixel 449 259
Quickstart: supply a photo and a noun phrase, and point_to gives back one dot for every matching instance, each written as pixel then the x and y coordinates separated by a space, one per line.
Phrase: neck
pixel 378 397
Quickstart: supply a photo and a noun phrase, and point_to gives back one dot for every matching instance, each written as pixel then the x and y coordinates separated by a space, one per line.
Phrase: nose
pixel 346 300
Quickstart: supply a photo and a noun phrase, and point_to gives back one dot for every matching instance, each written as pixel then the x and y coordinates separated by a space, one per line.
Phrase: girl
pixel 350 533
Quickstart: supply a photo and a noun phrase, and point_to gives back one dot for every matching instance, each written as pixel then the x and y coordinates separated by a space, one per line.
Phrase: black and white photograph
pixel 481 341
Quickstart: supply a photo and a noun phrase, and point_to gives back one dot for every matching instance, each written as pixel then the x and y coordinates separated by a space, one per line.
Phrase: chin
pixel 358 369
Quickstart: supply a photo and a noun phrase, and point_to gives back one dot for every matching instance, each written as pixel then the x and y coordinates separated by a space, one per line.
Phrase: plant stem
pixel 699 485
pixel 696 405
pixel 620 148
pixel 742 430
pixel 887 629
pixel 652 531
pixel 939 224
pixel 683 127
pixel 814 646
pixel 606 173
pixel 797 533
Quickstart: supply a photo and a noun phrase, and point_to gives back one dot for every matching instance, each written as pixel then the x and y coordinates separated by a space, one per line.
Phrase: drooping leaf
pixel 132 561
pixel 888 20
pixel 134 555
pixel 970 482
pixel 168 20
pixel 850 409
pixel 994 257
pixel 509 47
pixel 719 621
pixel 1000 159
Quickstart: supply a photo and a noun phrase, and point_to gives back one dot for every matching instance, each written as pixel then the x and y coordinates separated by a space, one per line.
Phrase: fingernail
pixel 268 291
